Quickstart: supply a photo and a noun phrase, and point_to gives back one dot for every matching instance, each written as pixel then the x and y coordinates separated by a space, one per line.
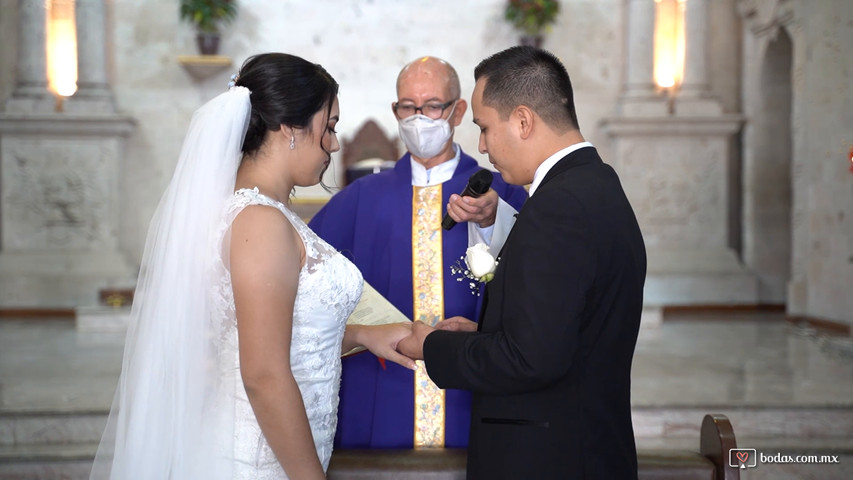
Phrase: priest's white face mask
pixel 423 136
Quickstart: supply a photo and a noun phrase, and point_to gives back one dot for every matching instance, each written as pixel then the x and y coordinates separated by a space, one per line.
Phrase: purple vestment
pixel 370 222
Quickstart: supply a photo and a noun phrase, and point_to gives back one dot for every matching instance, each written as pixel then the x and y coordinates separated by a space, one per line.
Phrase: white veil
pixel 165 422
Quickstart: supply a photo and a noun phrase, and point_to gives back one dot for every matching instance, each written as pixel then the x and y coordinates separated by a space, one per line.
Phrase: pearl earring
pixel 292 142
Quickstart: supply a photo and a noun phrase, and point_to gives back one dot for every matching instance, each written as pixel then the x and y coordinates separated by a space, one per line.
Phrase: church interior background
pixel 730 124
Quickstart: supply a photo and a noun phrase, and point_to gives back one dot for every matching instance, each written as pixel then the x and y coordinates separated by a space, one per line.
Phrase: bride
pixel 232 362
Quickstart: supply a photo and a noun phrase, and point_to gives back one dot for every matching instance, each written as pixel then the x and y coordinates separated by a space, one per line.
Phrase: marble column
pixel 31 93
pixel 639 97
pixel 675 162
pixel 62 170
pixel 694 95
pixel 696 47
pixel 93 90
pixel 641 54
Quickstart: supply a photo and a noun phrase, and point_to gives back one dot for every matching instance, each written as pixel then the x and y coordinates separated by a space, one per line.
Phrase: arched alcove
pixel 767 175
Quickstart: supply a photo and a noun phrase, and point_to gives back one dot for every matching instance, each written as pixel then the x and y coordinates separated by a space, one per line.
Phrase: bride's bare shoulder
pixel 262 233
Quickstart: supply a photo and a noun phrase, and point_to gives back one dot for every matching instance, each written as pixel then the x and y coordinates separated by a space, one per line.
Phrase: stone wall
pixel 363 44
pixel 817 176
pixel 822 137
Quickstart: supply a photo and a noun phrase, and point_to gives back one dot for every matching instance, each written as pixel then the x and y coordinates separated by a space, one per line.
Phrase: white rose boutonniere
pixel 479 265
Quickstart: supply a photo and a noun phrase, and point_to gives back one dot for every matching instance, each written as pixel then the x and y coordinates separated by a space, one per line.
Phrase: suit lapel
pixel 578 157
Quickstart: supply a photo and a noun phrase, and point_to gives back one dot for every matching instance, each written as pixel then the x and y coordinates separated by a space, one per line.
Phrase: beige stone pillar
pixel 31 93
pixel 695 48
pixel 639 97
pixel 641 54
pixel 694 95
pixel 93 89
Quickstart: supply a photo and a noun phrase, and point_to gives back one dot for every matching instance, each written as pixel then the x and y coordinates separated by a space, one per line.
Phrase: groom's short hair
pixel 529 76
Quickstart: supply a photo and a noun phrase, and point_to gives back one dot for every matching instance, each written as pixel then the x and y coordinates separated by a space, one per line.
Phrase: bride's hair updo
pixel 286 90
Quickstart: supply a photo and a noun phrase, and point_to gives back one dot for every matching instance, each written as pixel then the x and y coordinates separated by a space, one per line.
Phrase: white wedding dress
pixel 329 289
pixel 180 411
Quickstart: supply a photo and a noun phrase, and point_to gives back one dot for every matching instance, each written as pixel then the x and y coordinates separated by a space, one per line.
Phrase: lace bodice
pixel 329 288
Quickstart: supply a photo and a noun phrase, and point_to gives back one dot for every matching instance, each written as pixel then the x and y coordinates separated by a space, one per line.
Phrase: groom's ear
pixel 523 119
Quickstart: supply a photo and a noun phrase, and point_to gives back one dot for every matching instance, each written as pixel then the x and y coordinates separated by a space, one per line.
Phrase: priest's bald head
pixel 431 67
pixel 428 109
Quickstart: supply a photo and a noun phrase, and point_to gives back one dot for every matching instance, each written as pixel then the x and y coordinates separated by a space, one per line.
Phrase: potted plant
pixel 207 16
pixel 532 18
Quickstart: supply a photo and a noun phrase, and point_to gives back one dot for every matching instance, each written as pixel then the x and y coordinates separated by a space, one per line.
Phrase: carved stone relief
pixel 765 17
pixel 677 189
pixel 57 194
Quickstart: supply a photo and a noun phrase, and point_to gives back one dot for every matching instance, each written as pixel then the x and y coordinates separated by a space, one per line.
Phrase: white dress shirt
pixel 549 163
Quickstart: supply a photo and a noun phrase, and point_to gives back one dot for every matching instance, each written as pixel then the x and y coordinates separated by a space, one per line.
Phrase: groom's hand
pixel 457 324
pixel 413 345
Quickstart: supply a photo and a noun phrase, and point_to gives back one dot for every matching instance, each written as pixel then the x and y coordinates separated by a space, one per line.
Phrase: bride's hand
pixel 382 341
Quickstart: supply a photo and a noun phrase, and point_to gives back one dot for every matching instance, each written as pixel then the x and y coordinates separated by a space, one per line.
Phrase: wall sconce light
pixel 669 46
pixel 61 50
pixel 850 157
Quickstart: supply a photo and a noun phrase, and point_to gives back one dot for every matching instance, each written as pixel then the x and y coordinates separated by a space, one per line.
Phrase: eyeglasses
pixel 432 110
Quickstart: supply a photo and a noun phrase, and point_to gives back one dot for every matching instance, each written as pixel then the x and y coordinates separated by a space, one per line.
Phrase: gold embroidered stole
pixel 428 283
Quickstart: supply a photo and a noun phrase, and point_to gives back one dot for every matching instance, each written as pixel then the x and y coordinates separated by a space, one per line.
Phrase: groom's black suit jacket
pixel 550 368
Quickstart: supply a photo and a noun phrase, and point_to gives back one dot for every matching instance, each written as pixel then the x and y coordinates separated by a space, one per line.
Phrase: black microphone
pixel 478 184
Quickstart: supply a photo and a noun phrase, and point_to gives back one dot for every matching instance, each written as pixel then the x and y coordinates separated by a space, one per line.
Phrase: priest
pixel 389 225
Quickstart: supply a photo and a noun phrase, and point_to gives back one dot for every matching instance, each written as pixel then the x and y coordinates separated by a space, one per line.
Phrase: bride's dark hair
pixel 286 90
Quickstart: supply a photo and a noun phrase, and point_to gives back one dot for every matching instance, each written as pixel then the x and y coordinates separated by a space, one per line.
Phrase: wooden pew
pixel 716 437
pixel 709 463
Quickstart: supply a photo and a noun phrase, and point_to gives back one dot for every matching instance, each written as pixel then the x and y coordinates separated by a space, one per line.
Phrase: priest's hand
pixel 457 324
pixel 481 210
pixel 413 345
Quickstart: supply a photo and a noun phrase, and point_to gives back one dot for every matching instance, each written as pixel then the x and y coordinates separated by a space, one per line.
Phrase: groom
pixel 550 363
